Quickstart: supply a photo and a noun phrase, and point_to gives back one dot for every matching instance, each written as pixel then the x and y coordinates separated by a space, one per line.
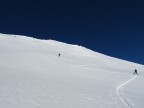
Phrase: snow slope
pixel 33 76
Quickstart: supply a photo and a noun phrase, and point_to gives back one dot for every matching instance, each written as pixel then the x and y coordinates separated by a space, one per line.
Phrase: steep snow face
pixel 32 75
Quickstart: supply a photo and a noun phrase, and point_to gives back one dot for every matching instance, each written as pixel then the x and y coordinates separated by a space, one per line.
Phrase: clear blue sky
pixel 115 27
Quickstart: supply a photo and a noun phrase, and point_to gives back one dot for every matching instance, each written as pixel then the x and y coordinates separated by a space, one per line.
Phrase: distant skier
pixel 59 54
pixel 135 72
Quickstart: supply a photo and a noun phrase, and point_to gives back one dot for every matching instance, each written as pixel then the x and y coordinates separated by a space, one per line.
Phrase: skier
pixel 135 72
pixel 59 54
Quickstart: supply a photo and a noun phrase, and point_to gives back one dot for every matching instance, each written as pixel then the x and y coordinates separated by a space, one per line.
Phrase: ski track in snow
pixel 119 94
pixel 117 89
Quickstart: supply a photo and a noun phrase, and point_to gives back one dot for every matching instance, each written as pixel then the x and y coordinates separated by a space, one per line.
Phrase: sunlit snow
pixel 32 75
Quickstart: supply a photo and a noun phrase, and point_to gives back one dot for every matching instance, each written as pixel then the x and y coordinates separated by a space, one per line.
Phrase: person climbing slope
pixel 135 72
pixel 59 54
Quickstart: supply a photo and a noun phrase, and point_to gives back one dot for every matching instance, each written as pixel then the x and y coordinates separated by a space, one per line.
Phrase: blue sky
pixel 115 28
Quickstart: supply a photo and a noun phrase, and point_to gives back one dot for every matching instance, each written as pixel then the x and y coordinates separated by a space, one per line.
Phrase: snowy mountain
pixel 32 75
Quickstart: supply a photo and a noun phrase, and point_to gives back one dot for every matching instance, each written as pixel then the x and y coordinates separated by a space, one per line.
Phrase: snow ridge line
pixel 120 96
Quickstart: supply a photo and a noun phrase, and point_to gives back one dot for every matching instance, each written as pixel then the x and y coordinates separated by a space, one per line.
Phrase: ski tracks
pixel 124 101
pixel 119 94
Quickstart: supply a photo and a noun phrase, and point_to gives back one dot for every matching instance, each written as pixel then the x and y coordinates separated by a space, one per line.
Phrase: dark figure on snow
pixel 135 72
pixel 59 54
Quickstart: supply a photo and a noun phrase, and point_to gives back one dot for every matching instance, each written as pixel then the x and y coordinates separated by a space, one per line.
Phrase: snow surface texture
pixel 32 75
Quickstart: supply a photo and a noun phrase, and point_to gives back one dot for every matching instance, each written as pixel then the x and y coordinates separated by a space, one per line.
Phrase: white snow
pixel 119 94
pixel 33 76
